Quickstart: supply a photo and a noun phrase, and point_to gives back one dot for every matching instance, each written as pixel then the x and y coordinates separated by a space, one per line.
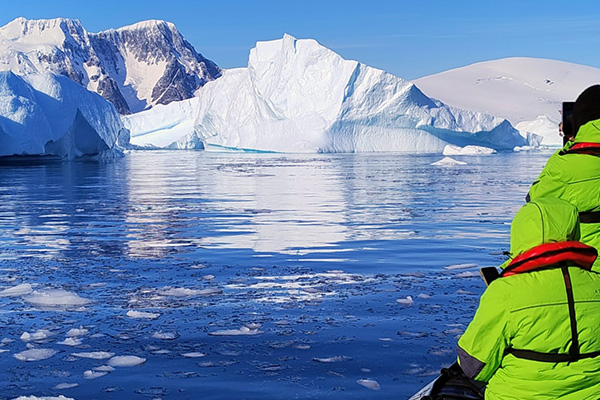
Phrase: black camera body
pixel 567 121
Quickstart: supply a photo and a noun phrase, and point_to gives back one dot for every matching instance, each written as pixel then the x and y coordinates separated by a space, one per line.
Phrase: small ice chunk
pixel 461 266
pixel 142 315
pixel 406 301
pixel 71 341
pixel 126 361
pixel 165 335
pixel 62 386
pixel 95 355
pixel 194 354
pixel 369 384
pixel 470 150
pixel 449 161
pixel 104 368
pixel 332 359
pixel 55 298
pixel 423 296
pixel 41 334
pixel 77 332
pixel 61 397
pixel 185 292
pixel 89 374
pixel 467 274
pixel 243 331
pixel 16 291
pixel 35 354
pixel 208 277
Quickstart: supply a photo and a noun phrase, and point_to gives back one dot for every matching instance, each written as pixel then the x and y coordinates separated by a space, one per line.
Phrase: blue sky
pixel 407 38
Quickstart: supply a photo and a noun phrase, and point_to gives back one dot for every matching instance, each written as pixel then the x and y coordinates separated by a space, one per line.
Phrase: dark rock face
pixel 134 67
pixel 109 89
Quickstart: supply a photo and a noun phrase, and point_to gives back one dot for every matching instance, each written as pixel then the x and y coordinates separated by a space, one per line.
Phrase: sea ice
pixel 16 291
pixel 333 359
pixel 89 374
pixel 461 266
pixel 470 150
pixel 142 315
pixel 126 361
pixel 407 301
pixel 61 397
pixel 194 355
pixel 35 354
pixel 165 335
pixel 62 386
pixel 369 384
pixel 243 331
pixel 71 341
pixel 55 298
pixel 446 161
pixel 77 332
pixel 95 355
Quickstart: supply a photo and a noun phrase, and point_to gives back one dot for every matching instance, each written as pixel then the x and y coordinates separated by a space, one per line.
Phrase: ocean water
pixel 246 276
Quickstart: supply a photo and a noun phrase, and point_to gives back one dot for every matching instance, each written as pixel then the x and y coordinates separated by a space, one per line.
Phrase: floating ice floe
pixel 65 385
pixel 470 150
pixel 333 359
pixel 16 291
pixel 194 354
pixel 467 274
pixel 95 355
pixel 461 266
pixel 449 161
pixel 185 292
pixel 423 296
pixel 71 341
pixel 38 336
pixel 77 332
pixel 369 384
pixel 165 335
pixel 406 301
pixel 55 298
pixel 243 331
pixel 142 315
pixel 61 397
pixel 126 361
pixel 89 374
pixel 35 354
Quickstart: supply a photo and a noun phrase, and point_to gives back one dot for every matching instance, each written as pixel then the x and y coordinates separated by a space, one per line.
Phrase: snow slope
pixel 298 96
pixel 134 67
pixel 52 115
pixel 526 91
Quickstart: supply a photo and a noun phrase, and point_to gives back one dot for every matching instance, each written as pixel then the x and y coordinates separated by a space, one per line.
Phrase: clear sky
pixel 407 38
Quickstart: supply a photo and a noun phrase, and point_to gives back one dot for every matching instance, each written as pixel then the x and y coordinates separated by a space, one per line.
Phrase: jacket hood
pixel 545 220
pixel 589 132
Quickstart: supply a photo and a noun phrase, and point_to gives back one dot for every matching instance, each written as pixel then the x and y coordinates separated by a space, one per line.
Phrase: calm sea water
pixel 251 276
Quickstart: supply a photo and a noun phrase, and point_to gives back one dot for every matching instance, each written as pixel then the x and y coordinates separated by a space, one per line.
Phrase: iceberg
pixel 297 96
pixel 44 114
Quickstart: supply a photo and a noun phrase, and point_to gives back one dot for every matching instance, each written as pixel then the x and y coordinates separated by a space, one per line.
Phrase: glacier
pixel 297 96
pixel 44 114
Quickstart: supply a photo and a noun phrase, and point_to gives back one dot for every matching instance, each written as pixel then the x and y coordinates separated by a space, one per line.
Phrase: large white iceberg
pixel 298 96
pixel 51 115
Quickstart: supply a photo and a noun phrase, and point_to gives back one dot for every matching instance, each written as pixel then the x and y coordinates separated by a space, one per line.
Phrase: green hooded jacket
pixel 530 311
pixel 576 179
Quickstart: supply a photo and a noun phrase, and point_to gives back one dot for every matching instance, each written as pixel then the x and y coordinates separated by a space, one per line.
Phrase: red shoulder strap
pixel 553 254
pixel 584 148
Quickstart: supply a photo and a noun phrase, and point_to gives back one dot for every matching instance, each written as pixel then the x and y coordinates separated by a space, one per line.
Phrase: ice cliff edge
pixel 298 96
pixel 52 115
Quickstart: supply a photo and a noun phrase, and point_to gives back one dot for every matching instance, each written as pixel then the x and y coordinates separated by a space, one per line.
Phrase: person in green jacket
pixel 573 172
pixel 536 332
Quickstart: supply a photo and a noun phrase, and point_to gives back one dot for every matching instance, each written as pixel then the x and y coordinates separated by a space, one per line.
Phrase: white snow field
pixel 528 92
pixel 297 96
pixel 52 115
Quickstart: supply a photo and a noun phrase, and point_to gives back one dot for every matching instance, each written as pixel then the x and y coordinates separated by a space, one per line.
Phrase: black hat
pixel 587 107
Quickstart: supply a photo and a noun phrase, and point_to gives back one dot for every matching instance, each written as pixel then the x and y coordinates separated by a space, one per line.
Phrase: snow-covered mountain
pixel 134 67
pixel 45 114
pixel 526 91
pixel 298 96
